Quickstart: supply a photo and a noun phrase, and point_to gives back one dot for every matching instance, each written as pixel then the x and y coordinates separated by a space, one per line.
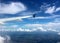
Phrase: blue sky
pixel 47 14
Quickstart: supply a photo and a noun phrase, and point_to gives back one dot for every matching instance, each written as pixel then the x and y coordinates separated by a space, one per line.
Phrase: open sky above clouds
pixel 47 15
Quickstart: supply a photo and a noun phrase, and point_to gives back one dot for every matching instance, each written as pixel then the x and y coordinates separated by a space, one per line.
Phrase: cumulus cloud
pixel 12 8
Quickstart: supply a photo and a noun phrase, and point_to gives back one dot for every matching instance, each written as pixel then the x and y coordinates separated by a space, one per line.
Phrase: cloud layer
pixel 55 27
pixel 51 26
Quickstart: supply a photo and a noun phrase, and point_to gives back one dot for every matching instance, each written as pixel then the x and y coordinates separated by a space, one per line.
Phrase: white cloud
pixel 12 8
pixel 50 10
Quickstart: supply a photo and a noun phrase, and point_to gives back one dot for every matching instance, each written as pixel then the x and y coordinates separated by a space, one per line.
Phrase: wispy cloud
pixel 12 8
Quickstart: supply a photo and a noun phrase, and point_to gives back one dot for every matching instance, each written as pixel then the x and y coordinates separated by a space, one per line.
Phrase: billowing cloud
pixel 12 8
